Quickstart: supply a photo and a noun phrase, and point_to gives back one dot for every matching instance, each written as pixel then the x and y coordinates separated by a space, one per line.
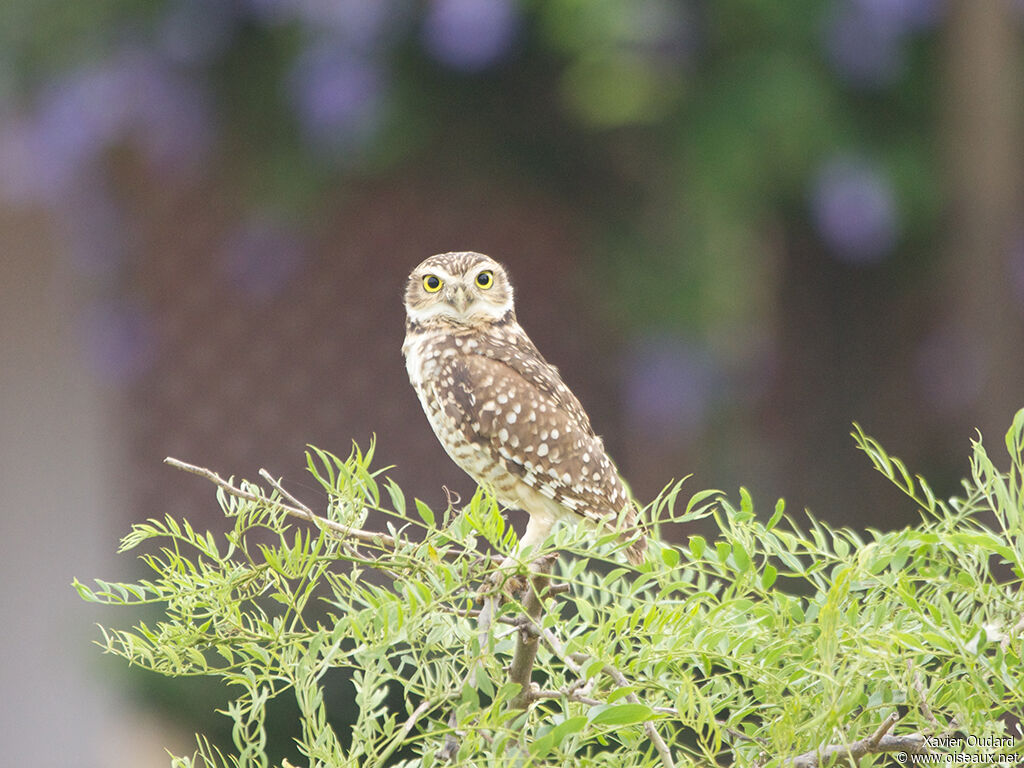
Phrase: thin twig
pixel 1014 632
pixel 284 491
pixel 738 735
pixel 450 748
pixel 559 650
pixel 305 514
pixel 582 698
pixel 883 729
pixel 922 696
pixel 652 733
pixel 557 589
pixel 406 729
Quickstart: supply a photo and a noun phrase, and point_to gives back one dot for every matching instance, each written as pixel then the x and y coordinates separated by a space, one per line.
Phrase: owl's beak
pixel 460 299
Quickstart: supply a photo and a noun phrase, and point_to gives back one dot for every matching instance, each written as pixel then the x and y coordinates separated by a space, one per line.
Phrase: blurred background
pixel 736 226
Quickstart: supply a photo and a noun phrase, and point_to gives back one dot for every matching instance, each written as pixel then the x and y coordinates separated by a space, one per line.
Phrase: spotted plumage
pixel 500 410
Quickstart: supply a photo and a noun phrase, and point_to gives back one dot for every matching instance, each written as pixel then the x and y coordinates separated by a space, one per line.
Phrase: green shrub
pixel 772 642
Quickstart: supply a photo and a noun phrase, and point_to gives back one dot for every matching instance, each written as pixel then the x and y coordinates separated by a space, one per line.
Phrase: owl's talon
pixel 504 582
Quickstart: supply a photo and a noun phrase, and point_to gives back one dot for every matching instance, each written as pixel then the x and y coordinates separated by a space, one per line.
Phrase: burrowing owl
pixel 500 410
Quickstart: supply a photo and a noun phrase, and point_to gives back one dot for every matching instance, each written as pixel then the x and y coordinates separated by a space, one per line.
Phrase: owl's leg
pixel 537 529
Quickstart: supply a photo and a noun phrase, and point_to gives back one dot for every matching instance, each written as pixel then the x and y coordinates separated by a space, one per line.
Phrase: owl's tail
pixel 637 549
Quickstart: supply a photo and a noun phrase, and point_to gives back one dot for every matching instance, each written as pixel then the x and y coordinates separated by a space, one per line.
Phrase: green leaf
pixel 746 501
pixel 1015 437
pixel 723 550
pixel 557 735
pixel 740 557
pixel 693 511
pixel 620 714
pixel 568 727
pixel 840 546
pixel 670 556
pixel 397 497
pixel 697 546
pixel 426 513
pixel 768 577
pixel 780 509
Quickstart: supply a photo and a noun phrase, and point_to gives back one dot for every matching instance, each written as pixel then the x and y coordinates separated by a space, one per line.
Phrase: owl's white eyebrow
pixel 438 273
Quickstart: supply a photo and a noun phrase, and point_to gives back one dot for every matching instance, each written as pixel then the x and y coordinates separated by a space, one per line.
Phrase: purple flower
pixel 864 48
pixel 669 386
pixel 75 119
pixel 854 210
pixel 864 38
pixel 26 176
pixel 168 114
pixel 903 16
pixel 470 35
pixel 44 153
pixel 339 96
pixel 261 256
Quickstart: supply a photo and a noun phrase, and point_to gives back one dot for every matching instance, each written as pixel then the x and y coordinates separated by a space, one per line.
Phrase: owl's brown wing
pixel 511 346
pixel 533 435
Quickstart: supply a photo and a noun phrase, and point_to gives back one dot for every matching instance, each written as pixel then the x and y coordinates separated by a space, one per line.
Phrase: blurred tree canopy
pixel 767 188
pixel 698 128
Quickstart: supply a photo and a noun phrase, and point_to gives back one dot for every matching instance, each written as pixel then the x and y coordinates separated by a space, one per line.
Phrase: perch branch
pixel 527 642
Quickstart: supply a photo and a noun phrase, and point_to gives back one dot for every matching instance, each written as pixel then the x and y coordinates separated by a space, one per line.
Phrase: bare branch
pixel 283 491
pixel 559 650
pixel 579 696
pixel 301 512
pixel 883 729
pixel 450 749
pixel 923 696
pixel 878 742
pixel 557 589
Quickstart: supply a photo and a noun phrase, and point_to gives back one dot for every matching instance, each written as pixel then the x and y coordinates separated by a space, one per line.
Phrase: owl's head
pixel 463 287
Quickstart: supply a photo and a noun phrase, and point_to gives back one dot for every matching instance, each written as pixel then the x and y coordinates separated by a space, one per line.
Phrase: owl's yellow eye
pixel 432 283
pixel 485 279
